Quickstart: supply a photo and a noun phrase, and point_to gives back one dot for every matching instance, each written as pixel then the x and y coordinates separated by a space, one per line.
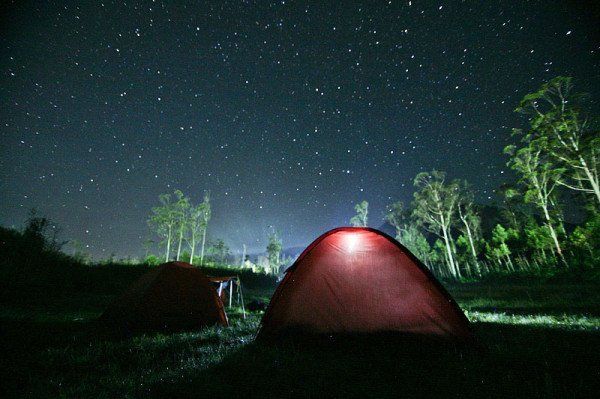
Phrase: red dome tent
pixel 173 296
pixel 355 279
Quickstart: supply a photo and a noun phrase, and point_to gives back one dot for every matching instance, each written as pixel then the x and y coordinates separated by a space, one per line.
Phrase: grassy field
pixel 536 340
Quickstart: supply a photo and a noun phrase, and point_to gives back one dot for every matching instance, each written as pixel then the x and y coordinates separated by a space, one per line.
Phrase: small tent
pixel 172 296
pixel 360 280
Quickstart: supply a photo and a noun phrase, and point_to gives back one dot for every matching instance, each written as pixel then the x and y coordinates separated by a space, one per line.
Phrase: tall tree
pixel 538 177
pixel 539 239
pixel 499 249
pixel 205 218
pixel 274 247
pixel 470 221
pixel 361 217
pixel 407 233
pixel 514 211
pixel 163 220
pixel 556 118
pixel 435 203
pixel 181 210
pixel 243 259
pixel 196 227
pixel 220 251
pixel 396 215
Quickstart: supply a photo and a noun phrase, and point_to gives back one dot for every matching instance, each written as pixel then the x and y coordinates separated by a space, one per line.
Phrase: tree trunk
pixel 193 247
pixel 555 239
pixel 499 262
pixel 168 244
pixel 202 248
pixel 553 235
pixel 544 257
pixel 453 268
pixel 509 263
pixel 552 231
pixel 471 242
pixel 180 240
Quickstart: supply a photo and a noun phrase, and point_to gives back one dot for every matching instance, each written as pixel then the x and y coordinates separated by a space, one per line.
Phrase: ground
pixel 535 339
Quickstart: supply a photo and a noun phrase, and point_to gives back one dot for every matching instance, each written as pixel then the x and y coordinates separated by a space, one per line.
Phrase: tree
pixel 499 248
pixel 514 212
pixel 163 220
pixel 397 216
pixel 585 240
pixel 205 218
pixel 416 243
pixel 435 203
pixel 181 209
pixel 79 252
pixel 438 258
pixel 196 225
pixel 243 257
pixel 360 219
pixel 539 239
pixel 220 251
pixel 41 234
pixel 148 244
pixel 470 222
pixel 538 177
pixel 274 251
pixel 557 120
pixel 407 234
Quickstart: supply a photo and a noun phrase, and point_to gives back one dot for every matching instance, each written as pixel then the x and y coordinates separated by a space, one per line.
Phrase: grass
pixel 536 340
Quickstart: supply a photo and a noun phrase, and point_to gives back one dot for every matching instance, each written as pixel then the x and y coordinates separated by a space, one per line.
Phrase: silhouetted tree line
pixel 35 250
pixel 32 261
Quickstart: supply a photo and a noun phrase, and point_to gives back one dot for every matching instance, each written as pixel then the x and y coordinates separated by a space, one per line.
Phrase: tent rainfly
pixel 172 296
pixel 361 280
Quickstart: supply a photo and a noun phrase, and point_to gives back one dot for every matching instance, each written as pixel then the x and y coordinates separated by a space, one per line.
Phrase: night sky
pixel 288 112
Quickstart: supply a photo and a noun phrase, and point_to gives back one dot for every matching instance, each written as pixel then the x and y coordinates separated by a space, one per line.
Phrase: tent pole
pixel 242 295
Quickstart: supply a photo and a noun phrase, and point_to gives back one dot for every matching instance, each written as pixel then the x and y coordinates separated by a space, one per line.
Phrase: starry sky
pixel 288 112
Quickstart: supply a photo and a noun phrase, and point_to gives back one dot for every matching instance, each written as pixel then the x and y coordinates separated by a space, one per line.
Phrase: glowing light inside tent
pixel 351 241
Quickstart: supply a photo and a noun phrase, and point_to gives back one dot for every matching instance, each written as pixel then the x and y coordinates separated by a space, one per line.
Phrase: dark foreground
pixel 536 340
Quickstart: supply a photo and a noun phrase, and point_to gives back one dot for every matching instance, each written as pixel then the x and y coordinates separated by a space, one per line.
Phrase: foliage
pixel 361 217
pixel 407 232
pixel 416 243
pixel 177 220
pixel 182 219
pixel 198 218
pixel 163 221
pixel 470 222
pixel 558 123
pixel 152 260
pixel 498 248
pixel 434 207
pixel 584 241
pixel 274 248
pixel 33 255
pixel 219 252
